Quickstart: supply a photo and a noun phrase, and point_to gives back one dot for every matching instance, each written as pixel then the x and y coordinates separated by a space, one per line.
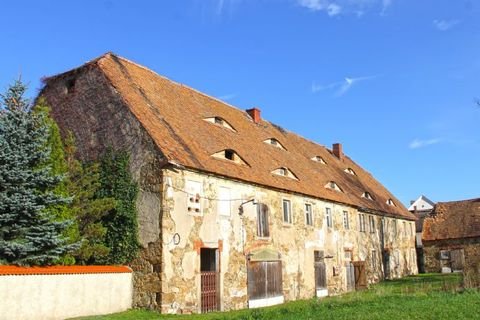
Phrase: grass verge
pixel 429 296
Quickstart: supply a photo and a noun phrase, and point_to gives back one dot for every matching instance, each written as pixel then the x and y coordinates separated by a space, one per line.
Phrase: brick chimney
pixel 254 113
pixel 337 150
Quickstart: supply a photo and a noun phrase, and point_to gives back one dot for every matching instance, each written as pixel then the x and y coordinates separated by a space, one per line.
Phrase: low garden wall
pixel 63 291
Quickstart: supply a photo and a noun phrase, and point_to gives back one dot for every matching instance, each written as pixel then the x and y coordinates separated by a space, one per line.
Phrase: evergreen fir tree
pixel 28 233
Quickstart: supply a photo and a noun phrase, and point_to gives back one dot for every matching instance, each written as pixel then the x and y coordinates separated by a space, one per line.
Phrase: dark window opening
pixel 70 85
pixel 218 120
pixel 229 154
pixel 208 259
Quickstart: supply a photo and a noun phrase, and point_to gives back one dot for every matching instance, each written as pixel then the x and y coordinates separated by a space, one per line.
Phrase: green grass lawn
pixel 430 296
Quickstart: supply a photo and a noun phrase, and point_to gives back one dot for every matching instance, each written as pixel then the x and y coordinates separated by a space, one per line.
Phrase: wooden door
pixel 320 270
pixel 457 259
pixel 264 279
pixel 350 271
pixel 360 275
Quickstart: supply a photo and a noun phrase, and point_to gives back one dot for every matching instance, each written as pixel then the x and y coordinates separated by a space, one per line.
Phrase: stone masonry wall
pixel 217 225
pixel 471 251
pixel 103 121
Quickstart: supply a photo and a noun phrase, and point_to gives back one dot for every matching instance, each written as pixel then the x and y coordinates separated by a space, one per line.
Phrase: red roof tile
pixel 453 220
pixel 173 116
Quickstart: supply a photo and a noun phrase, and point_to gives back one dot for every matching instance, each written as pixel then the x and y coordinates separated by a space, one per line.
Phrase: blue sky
pixel 393 80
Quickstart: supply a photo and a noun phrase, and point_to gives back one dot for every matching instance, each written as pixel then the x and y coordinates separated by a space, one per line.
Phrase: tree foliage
pixel 29 234
pixel 121 222
pixel 88 208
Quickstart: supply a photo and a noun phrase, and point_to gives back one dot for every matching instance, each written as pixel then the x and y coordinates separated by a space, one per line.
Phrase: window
pixel 223 203
pixel 230 155
pixel 350 171
pixel 308 214
pixel 333 186
pixel 274 142
pixel 371 222
pixel 346 220
pixel 374 259
pixel 221 122
pixel 262 220
pixel 285 172
pixel 390 202
pixel 318 159
pixel 367 195
pixel 328 217
pixel 287 211
pixel 361 222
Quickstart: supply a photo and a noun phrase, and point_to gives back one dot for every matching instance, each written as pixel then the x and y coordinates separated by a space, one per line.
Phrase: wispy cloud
pixel 336 7
pixel 341 87
pixel 418 143
pixel 444 25
pixel 227 97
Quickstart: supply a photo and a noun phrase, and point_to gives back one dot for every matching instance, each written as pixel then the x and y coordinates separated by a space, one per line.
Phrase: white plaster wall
pixel 64 296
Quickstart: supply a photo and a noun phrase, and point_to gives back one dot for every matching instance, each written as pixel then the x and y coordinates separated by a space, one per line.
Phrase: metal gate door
pixel 209 283
pixel 209 280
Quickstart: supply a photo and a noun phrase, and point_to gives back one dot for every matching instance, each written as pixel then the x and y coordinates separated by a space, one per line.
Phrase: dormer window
pixel 391 203
pixel 221 122
pixel 333 186
pixel 318 159
pixel 274 142
pixel 285 172
pixel 367 195
pixel 350 171
pixel 230 155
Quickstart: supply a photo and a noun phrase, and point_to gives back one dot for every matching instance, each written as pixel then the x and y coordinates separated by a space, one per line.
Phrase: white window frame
pixel 289 211
pixel 361 222
pixel 346 220
pixel 308 213
pixel 371 223
pixel 329 217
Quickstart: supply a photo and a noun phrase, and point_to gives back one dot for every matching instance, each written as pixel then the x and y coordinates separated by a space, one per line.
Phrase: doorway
pixel 209 280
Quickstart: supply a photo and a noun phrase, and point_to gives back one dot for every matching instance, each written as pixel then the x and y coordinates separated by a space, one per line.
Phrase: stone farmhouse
pixel 233 211
pixel 451 237
pixel 421 208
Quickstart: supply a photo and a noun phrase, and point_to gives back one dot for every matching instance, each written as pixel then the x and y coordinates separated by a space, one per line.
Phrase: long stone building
pixel 233 211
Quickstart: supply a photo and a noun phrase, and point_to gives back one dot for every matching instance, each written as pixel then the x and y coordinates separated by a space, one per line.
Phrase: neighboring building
pixel 233 210
pixel 451 237
pixel 420 208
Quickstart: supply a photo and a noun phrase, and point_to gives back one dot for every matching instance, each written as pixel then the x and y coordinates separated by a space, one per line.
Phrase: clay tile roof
pixel 173 115
pixel 453 220
pixel 15 270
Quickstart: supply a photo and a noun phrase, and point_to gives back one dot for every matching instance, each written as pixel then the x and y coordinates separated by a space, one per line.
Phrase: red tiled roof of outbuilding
pixel 453 220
